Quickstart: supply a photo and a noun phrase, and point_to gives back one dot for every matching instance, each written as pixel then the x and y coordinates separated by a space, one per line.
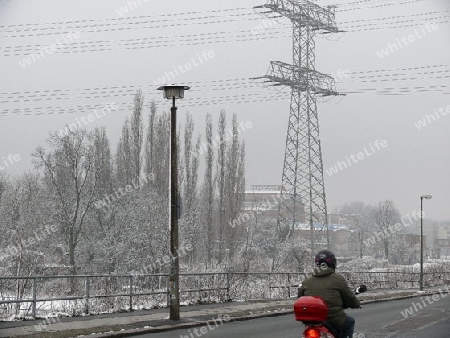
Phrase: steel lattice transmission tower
pixel 303 191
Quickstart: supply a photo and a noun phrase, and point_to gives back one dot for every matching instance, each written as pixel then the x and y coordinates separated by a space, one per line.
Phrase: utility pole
pixel 303 191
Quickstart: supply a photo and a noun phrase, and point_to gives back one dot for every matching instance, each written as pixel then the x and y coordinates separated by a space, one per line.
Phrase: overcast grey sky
pixel 413 162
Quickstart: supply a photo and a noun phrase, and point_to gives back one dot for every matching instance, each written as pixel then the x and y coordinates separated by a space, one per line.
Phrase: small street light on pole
pixel 174 92
pixel 421 239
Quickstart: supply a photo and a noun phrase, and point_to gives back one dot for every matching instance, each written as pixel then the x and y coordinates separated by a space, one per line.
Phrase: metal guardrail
pixel 95 290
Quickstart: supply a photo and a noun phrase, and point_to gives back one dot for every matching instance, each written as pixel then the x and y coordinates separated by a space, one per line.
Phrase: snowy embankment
pixel 112 293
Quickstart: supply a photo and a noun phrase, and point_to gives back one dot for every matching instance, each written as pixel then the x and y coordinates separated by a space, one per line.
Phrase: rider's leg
pixel 347 330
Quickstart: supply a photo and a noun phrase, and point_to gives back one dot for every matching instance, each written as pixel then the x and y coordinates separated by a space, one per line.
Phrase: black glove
pixel 360 289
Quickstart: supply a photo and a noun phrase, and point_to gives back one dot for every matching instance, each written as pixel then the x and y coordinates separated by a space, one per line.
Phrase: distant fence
pixel 37 296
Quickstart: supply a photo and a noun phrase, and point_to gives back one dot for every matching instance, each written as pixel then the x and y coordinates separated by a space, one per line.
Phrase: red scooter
pixel 312 311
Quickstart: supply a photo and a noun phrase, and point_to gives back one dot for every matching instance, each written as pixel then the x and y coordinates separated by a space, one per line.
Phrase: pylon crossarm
pixel 300 78
pixel 306 13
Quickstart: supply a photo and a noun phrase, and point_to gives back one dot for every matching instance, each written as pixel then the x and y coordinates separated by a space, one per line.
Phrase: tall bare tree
pixel 103 220
pixel 3 182
pixel 71 176
pixel 208 187
pixel 124 169
pixel 234 185
pixel 26 244
pixel 157 162
pixel 385 216
pixel 221 180
pixel 157 152
pixel 103 161
pixel 149 152
pixel 136 135
pixel 190 226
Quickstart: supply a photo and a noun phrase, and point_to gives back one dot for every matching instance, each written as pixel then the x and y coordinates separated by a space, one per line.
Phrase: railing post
pixel 33 308
pixel 131 293
pixel 424 279
pixel 270 288
pixel 168 290
pixel 198 285
pixel 86 295
pixel 228 287
pixel 289 285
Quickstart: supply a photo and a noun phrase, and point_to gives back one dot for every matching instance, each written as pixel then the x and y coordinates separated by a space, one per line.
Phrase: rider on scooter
pixel 335 292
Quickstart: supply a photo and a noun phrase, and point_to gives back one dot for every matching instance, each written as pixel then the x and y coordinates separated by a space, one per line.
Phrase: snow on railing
pixel 111 293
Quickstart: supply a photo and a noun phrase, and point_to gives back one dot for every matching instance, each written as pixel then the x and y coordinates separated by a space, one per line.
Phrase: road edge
pixel 165 328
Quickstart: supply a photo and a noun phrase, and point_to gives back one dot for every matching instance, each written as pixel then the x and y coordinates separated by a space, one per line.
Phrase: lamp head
pixel 173 91
pixel 428 197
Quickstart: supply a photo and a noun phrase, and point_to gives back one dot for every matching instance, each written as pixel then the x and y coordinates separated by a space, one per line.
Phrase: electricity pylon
pixel 303 190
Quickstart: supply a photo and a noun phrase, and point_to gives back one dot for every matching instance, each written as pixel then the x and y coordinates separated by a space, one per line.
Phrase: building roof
pixel 318 226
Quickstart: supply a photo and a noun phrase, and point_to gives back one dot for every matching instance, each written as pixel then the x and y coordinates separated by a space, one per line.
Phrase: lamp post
pixel 174 92
pixel 421 238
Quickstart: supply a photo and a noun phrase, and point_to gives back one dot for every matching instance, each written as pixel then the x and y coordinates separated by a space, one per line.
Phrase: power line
pixel 142 43
pixel 164 41
pixel 171 15
pixel 131 26
pixel 226 99
pixel 429 72
pixel 34 29
pixel 378 6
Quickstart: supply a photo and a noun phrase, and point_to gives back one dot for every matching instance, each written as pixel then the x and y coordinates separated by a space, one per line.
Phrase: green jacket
pixel 334 290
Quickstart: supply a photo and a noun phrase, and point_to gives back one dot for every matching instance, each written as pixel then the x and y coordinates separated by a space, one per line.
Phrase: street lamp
pixel 421 238
pixel 174 92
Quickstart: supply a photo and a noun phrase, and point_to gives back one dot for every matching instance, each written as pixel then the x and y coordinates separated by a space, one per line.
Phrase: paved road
pixel 374 320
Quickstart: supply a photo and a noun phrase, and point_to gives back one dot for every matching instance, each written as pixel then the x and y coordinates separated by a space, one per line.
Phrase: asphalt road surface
pixel 428 319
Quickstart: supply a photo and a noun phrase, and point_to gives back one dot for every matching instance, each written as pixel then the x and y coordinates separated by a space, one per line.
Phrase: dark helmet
pixel 327 257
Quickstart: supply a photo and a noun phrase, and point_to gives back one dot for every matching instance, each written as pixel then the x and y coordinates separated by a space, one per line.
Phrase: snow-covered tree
pixel 189 223
pixel 136 135
pixel 71 177
pixel 385 216
pixel 234 185
pixel 208 191
pixel 124 170
pixel 221 181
